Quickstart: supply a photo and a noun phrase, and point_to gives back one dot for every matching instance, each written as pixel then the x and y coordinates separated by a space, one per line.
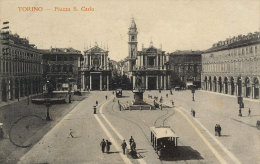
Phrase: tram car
pixel 164 141
pixel 119 93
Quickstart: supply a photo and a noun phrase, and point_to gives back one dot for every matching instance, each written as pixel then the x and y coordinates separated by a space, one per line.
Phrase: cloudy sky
pixel 176 24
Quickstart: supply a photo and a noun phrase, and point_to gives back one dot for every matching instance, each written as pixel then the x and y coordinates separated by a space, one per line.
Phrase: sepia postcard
pixel 129 81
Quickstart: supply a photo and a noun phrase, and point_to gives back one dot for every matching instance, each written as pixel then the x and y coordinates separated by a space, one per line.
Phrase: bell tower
pixel 132 45
pixel 132 40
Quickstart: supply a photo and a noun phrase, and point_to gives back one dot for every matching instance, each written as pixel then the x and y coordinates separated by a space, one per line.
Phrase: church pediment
pixel 96 49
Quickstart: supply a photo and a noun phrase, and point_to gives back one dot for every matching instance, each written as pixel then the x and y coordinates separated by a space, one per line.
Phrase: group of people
pixel 217 130
pixel 131 143
pixel 105 144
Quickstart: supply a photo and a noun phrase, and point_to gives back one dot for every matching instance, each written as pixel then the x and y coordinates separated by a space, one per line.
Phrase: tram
pixel 119 93
pixel 164 141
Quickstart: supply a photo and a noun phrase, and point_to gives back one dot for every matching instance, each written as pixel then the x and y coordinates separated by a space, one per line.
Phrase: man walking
pixel 123 145
pixel 103 145
pixel 108 144
pixel 249 112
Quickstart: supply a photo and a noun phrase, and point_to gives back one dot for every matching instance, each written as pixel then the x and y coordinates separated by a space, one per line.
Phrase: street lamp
pixel 47 101
pixel 48 104
pixel 241 105
pixel 193 92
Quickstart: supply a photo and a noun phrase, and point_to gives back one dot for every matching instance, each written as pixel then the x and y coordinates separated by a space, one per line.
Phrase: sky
pixel 174 24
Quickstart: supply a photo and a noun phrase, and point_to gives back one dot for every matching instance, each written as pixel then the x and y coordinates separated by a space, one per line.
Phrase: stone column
pixel 102 56
pixel 253 91
pixel 168 82
pixel 82 81
pixel 100 85
pixel 146 82
pixel 133 82
pixel 90 62
pixel 236 89
pixel 161 86
pixel 229 88
pixel 90 81
pixel 157 82
pixel 165 82
pixel 87 60
pixel 108 82
pixel 157 61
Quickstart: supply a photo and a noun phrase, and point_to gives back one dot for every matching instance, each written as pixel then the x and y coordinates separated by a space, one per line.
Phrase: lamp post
pixel 241 105
pixel 47 104
pixel 193 92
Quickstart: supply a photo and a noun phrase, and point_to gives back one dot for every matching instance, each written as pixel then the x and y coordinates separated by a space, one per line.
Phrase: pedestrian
pixel 113 92
pixel 114 99
pixel 123 145
pixel 161 106
pixel 108 144
pixel 71 133
pixel 131 140
pixel 172 102
pixel 106 97
pixel 103 145
pixel 249 112
pixel 216 129
pixel 133 146
pixel 193 113
pixel 167 95
pixel 219 130
pixel 96 103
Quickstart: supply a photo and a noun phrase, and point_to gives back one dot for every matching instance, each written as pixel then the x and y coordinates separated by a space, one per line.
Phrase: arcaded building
pixel 233 66
pixel 95 71
pixel 150 64
pixel 185 68
pixel 20 67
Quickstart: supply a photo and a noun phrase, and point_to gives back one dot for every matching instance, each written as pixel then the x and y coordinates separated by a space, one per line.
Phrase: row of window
pixel 59 68
pixel 20 54
pixel 244 51
pixel 19 67
pixel 239 66
pixel 188 68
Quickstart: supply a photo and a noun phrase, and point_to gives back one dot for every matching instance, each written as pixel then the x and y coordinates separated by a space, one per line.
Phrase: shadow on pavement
pixel 182 153
pixel 113 152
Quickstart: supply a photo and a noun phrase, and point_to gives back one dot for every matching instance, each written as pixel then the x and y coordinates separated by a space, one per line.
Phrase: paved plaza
pixel 76 138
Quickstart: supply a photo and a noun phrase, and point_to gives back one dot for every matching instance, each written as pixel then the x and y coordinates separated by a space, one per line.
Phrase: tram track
pixel 164 118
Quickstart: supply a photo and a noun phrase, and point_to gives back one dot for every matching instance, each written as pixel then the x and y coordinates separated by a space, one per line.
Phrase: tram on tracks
pixel 164 141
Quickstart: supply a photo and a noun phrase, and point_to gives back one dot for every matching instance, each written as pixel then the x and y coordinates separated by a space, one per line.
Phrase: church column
pixel 102 56
pixel 157 82
pixel 107 82
pixel 161 85
pixel 100 85
pixel 90 62
pixel 146 82
pixel 90 81
pixel 164 82
pixel 87 60
pixel 236 89
pixel 168 82
pixel 141 58
pixel 243 90
pixel 157 61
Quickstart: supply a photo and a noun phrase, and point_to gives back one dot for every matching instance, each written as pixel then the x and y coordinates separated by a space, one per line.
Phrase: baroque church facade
pixel 95 69
pixel 150 64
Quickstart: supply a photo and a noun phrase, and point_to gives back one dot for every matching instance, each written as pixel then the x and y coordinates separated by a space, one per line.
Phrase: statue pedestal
pixel 138 97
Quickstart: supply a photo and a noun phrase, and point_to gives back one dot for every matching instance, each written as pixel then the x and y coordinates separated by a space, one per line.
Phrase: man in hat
pixel 103 145
pixel 123 145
